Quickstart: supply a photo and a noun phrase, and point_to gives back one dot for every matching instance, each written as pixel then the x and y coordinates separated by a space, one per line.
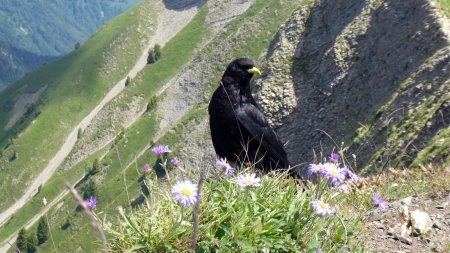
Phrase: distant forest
pixel 35 32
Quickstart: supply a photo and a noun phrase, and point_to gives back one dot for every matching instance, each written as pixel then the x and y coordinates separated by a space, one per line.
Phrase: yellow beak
pixel 254 70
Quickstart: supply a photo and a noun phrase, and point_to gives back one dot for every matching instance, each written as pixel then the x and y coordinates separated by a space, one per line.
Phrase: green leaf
pixel 339 235
pixel 135 248
pixel 313 246
pixel 131 223
pixel 253 195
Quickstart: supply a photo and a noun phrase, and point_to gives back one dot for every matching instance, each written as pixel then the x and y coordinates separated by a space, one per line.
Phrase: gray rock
pixel 438 225
pixel 403 239
pixel 375 216
pixel 379 225
pixel 406 201
pixel 421 222
pixel 440 207
pixel 348 60
pixel 404 212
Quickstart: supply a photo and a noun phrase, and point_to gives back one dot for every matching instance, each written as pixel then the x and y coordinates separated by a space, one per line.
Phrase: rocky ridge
pixel 373 75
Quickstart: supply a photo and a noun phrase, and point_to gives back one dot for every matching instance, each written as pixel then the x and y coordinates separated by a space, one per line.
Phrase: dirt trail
pixel 170 23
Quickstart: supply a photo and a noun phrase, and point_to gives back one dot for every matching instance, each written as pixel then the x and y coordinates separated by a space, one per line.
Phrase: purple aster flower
pixel 333 172
pixel 229 170
pixel 146 168
pixel 160 150
pixel 319 250
pixel 90 202
pixel 185 192
pixel 334 157
pixel 343 187
pixel 314 168
pixel 379 201
pixel 223 164
pixel 248 180
pixel 349 174
pixel 175 161
pixel 321 207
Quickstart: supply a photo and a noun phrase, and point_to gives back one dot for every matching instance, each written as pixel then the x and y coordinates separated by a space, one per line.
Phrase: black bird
pixel 239 131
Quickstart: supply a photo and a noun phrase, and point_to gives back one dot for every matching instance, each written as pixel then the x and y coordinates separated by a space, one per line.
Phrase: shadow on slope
pixel 349 62
pixel 183 5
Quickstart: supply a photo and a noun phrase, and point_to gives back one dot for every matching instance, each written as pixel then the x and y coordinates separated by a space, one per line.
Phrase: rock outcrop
pixel 372 77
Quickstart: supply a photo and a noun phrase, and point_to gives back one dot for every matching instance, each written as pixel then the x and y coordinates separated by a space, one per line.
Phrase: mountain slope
pixel 222 47
pixel 35 32
pixel 331 66
pixel 74 86
pixel 374 76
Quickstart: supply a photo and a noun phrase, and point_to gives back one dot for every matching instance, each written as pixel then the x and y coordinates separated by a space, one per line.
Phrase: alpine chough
pixel 239 130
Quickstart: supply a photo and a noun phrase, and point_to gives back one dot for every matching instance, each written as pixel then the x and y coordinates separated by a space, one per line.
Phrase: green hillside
pixel 73 86
pixel 166 103
pixel 181 50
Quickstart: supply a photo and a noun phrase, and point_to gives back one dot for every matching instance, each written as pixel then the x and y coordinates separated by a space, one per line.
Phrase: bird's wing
pixel 254 122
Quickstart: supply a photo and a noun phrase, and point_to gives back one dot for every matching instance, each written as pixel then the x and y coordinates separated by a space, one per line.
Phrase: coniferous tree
pixel 95 167
pixel 42 231
pixel 31 243
pixel 80 132
pixel 89 189
pixel 151 103
pixel 21 242
pixel 151 57
pixel 14 156
pixel 157 50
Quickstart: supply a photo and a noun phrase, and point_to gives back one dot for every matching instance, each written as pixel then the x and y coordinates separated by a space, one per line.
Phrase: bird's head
pixel 240 71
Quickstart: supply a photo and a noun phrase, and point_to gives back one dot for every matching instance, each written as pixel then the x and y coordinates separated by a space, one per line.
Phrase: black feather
pixel 239 130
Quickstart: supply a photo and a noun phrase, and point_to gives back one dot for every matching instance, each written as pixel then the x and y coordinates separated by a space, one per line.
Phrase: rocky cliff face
pixel 374 75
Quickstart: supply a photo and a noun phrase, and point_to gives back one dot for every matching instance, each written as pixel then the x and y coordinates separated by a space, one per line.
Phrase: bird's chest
pixel 225 102
pixel 223 114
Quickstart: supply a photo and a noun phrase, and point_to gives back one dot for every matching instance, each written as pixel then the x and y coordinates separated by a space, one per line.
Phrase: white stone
pixel 404 212
pixel 421 222
pixel 406 201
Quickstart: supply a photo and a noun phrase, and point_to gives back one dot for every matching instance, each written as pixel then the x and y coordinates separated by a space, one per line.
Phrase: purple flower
pixel 248 180
pixel 146 168
pixel 90 202
pixel 314 168
pixel 343 187
pixel 229 171
pixel 223 164
pixel 185 192
pixel 321 207
pixel 333 172
pixel 379 201
pixel 319 250
pixel 160 150
pixel 175 161
pixel 349 174
pixel 334 157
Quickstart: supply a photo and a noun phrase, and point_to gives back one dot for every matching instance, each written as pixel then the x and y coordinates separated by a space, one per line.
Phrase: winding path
pixel 169 24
